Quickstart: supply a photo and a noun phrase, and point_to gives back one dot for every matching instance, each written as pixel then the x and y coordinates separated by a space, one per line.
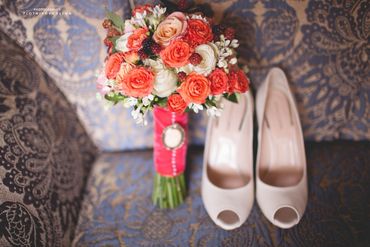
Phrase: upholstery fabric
pixel 323 46
pixel 69 47
pixel 117 210
pixel 45 155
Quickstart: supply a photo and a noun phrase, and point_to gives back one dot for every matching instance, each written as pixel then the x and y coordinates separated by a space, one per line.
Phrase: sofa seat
pixel 117 208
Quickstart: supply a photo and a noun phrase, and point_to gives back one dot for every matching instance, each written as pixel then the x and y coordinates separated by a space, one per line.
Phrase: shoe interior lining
pixel 229 147
pixel 281 164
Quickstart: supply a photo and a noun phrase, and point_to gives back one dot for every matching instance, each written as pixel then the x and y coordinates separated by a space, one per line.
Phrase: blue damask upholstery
pixel 323 46
pixel 117 210
pixel 45 155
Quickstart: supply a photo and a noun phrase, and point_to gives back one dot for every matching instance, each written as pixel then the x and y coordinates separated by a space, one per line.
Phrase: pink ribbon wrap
pixel 169 162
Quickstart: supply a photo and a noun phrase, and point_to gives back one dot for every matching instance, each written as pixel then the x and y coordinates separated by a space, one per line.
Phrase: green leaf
pixel 233 98
pixel 115 98
pixel 210 102
pixel 116 20
pixel 160 101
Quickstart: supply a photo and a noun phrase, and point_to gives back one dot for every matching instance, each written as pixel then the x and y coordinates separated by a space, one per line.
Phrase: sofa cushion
pixel 117 210
pixel 45 155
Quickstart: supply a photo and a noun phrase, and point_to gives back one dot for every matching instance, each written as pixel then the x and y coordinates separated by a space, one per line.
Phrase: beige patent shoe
pixel 227 182
pixel 281 177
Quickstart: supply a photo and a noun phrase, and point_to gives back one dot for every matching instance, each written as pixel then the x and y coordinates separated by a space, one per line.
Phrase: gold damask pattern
pixel 117 209
pixel 45 155
pixel 323 47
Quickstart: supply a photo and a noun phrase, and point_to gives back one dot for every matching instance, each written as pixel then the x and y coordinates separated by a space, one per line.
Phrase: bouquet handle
pixel 170 148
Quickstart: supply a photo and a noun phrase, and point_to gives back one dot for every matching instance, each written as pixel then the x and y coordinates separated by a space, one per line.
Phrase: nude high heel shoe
pixel 227 182
pixel 281 176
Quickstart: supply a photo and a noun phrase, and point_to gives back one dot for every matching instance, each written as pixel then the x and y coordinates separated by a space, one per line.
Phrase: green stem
pixel 168 192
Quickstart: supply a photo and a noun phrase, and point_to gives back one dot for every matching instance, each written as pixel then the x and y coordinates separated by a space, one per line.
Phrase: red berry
pixel 142 54
pixel 113 32
pixel 156 48
pixel 108 42
pixel 182 76
pixel 229 33
pixel 182 4
pixel 107 23
pixel 195 59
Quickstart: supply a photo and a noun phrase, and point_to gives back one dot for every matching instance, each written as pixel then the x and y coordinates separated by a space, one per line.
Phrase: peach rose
pixel 172 27
pixel 176 54
pixel 238 81
pixel 138 82
pixel 131 57
pixel 136 39
pixel 219 81
pixel 198 32
pixel 113 65
pixel 176 103
pixel 124 69
pixel 195 89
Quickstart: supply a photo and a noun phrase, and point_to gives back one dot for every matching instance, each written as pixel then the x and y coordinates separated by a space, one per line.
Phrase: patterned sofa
pixel 66 179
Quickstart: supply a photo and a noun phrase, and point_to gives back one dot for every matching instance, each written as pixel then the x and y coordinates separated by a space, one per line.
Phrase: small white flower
pixel 199 17
pixel 139 117
pixel 222 63
pixel 139 19
pixel 233 60
pixel 148 99
pixel 129 102
pixel 196 107
pixel 135 113
pixel 214 111
pixel 158 11
pixel 234 43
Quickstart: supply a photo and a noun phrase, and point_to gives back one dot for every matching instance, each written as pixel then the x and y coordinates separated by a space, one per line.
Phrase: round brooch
pixel 173 136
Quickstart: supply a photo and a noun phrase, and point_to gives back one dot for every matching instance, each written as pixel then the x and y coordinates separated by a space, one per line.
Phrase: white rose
pixel 165 83
pixel 157 65
pixel 208 64
pixel 121 42
pixel 187 68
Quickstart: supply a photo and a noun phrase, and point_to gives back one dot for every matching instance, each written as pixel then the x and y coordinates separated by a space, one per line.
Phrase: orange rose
pixel 176 103
pixel 239 83
pixel 137 82
pixel 219 81
pixel 195 89
pixel 113 65
pixel 198 32
pixel 136 39
pixel 172 27
pixel 177 54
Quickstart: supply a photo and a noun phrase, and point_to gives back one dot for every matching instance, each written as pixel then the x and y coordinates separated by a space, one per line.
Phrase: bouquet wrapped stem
pixel 188 69
pixel 170 146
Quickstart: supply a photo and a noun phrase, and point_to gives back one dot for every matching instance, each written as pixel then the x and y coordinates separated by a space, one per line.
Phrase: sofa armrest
pixel 45 155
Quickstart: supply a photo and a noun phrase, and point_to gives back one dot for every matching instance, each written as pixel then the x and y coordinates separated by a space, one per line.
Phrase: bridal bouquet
pixel 169 62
